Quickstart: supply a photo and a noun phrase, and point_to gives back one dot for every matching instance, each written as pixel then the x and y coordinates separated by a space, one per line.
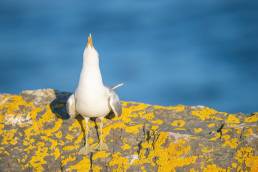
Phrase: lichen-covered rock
pixel 36 134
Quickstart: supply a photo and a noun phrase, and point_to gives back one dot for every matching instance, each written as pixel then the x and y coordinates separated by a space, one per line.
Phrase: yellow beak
pixel 90 42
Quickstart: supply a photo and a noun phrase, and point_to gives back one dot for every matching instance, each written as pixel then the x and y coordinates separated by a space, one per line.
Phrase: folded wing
pixel 70 106
pixel 114 102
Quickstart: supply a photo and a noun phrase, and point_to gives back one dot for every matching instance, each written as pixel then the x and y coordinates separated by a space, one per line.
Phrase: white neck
pixel 90 74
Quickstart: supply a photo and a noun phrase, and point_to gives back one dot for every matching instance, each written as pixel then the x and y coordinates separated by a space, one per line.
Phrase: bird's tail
pixel 118 85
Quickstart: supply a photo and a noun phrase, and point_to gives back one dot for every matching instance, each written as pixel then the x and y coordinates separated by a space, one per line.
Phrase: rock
pixel 36 134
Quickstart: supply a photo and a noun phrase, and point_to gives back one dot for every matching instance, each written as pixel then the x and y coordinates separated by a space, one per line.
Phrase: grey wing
pixel 114 103
pixel 70 106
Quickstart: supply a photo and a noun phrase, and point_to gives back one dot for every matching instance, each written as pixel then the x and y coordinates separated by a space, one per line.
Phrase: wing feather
pixel 70 106
pixel 114 103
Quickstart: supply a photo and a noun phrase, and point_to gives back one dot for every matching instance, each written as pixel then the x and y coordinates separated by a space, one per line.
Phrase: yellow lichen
pixel 234 165
pixel 206 149
pixel 213 168
pixel 100 154
pixel 90 140
pixel 133 129
pixel 245 156
pixel 238 131
pixel 225 130
pixel 216 136
pixel 225 136
pixel 56 153
pixel 121 163
pixel 9 137
pixel 168 158
pixel 69 137
pixel 232 143
pixel 178 108
pixel 253 118
pixel 58 134
pixel 70 147
pixel 38 160
pixel 115 125
pixel 148 116
pixel 158 122
pixel 154 127
pixel 83 165
pixel 243 153
pixel 137 110
pixel 252 162
pixel 67 159
pixel 197 130
pixel 126 147
pixel 143 169
pixel 179 129
pixel 205 113
pixel 248 132
pixel 171 157
pixel 232 119
pixel 211 125
pixel 1 125
pixel 178 123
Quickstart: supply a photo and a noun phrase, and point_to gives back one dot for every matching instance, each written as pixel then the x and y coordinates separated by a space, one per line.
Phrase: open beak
pixel 90 42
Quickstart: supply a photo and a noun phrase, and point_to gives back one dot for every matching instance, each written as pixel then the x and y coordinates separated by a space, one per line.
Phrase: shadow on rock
pixel 58 105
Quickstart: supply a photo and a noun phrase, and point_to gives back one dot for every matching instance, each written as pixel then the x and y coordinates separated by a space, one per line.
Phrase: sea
pixel 165 52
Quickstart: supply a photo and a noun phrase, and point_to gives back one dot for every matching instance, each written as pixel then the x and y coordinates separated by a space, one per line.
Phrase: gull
pixel 91 97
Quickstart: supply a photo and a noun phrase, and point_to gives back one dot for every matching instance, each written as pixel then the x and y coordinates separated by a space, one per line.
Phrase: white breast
pixel 92 103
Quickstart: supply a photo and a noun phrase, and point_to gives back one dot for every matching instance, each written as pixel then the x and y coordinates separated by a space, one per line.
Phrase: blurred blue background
pixel 166 52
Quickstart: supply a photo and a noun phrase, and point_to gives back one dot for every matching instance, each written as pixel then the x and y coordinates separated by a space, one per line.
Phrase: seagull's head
pixel 90 54
pixel 90 42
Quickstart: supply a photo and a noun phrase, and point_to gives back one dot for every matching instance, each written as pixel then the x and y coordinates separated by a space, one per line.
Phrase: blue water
pixel 166 52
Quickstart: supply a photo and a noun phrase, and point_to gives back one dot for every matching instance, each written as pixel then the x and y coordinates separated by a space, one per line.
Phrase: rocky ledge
pixel 36 134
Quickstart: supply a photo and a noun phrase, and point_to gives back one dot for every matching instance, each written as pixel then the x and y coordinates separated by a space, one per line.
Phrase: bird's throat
pixel 90 76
